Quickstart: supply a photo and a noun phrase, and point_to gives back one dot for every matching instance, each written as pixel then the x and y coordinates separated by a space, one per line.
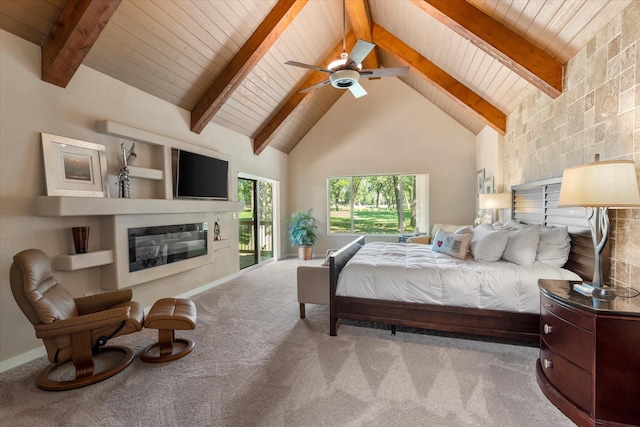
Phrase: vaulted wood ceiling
pixel 223 60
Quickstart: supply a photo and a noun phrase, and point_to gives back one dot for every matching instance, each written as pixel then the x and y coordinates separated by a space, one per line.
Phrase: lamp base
pixel 603 292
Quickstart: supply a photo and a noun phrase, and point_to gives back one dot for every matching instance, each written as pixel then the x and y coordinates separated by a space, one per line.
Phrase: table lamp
pixel 598 187
pixel 494 201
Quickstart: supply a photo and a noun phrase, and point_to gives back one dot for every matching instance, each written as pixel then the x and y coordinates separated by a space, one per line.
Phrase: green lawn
pixel 371 221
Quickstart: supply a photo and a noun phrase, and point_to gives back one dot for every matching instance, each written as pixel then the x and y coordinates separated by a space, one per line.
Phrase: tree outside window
pixel 373 204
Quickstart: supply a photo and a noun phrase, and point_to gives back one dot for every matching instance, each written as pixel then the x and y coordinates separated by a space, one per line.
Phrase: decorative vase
pixel 305 252
pixel 80 239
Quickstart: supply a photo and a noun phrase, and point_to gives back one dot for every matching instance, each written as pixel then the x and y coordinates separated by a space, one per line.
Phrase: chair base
pixel 45 383
pixel 179 347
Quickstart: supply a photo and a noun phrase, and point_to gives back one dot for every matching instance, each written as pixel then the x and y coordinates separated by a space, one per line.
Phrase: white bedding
pixel 413 273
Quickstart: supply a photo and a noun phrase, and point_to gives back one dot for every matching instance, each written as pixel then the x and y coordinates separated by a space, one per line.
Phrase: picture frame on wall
pixel 480 182
pixel 488 185
pixel 74 167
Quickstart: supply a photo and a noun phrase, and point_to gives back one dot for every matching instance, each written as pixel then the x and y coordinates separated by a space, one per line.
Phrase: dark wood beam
pixel 243 62
pixel 266 134
pixel 361 27
pixel 428 70
pixel 74 33
pixel 528 61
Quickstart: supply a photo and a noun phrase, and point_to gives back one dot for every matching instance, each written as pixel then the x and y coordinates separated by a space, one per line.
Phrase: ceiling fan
pixel 345 72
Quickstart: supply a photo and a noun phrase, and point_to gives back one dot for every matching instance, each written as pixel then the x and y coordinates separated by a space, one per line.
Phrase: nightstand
pixel 589 364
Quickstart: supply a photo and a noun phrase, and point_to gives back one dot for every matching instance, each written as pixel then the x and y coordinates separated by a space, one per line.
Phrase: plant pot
pixel 305 252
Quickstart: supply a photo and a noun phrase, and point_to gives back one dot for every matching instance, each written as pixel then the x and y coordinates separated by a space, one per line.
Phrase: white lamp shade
pixel 611 184
pixel 494 201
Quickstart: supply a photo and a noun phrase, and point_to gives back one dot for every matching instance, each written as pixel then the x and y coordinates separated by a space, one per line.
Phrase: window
pixel 378 204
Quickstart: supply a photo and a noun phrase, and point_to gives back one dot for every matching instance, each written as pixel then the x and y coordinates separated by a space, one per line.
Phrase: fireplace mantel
pixel 91 206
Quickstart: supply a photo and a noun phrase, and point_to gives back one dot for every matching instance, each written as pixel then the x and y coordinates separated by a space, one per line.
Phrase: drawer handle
pixel 548 329
pixel 548 364
pixel 548 305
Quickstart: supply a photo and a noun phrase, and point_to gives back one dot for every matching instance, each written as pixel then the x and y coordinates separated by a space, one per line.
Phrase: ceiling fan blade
pixel 357 90
pixel 385 72
pixel 311 67
pixel 359 52
pixel 315 86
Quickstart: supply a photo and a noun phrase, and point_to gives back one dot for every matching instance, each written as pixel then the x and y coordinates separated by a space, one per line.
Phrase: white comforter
pixel 413 273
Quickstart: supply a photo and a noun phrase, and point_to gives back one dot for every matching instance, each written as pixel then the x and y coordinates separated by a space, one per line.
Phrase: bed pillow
pixel 522 245
pixel 488 243
pixel 326 259
pixel 554 246
pixel 452 244
pixel 467 229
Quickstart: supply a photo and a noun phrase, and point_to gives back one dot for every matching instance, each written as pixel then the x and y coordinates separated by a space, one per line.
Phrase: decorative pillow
pixel 326 260
pixel 451 243
pixel 522 245
pixel 488 244
pixel 554 246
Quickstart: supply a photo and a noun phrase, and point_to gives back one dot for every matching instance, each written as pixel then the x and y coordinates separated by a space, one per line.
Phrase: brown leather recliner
pixel 72 329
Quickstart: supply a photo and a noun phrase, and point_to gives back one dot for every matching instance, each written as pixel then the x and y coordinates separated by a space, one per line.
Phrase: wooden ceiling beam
pixel 266 134
pixel 72 36
pixel 243 62
pixel 429 71
pixel 361 27
pixel 528 61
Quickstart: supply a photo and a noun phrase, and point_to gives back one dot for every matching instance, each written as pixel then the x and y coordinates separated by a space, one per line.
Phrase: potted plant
pixel 303 233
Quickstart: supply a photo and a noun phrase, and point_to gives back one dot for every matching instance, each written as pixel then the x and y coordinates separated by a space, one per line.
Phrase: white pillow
pixel 554 246
pixel 488 244
pixel 512 225
pixel 522 245
pixel 452 244
pixel 467 229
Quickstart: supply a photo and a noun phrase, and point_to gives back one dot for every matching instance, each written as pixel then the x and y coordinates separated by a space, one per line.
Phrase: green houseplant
pixel 303 233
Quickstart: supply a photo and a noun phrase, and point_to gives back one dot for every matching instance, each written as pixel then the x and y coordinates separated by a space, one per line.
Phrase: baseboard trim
pixel 22 358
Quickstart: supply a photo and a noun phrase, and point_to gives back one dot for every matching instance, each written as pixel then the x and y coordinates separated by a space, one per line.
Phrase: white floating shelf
pixel 101 206
pixel 81 261
pixel 221 244
pixel 146 173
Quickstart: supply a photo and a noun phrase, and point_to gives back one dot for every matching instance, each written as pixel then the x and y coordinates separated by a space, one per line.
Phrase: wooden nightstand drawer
pixel 567 339
pixel 567 313
pixel 574 383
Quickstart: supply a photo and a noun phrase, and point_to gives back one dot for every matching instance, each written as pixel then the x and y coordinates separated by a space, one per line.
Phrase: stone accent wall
pixel 598 113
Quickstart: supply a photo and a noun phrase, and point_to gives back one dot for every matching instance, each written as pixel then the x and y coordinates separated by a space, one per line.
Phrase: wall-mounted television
pixel 200 177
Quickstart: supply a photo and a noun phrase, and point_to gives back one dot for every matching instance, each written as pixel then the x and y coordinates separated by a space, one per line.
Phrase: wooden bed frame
pixel 534 203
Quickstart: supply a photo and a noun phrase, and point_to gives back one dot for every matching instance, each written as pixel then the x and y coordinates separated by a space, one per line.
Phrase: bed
pixel 534 203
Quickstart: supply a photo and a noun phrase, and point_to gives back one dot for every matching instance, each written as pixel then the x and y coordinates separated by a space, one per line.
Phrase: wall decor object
pixel 488 185
pixel 80 239
pixel 480 182
pixel 74 168
pixel 124 180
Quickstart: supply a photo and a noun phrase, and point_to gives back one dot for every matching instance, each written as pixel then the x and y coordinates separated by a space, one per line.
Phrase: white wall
pixel 29 106
pixel 391 130
pixel 490 151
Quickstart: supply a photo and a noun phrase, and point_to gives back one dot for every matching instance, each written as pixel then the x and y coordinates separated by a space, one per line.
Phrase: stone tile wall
pixel 598 113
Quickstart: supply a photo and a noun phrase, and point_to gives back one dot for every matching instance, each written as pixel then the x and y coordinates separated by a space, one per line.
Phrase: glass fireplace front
pixel 159 245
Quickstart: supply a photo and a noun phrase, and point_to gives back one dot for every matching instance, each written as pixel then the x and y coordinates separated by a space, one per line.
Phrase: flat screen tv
pixel 201 177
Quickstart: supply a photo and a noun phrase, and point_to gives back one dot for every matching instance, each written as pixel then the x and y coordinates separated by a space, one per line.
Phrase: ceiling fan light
pixel 343 79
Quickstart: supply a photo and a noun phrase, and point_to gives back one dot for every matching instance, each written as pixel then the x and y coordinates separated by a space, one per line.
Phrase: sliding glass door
pixel 256 221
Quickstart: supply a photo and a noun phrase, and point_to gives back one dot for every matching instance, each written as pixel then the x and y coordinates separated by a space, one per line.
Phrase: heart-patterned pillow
pixel 453 244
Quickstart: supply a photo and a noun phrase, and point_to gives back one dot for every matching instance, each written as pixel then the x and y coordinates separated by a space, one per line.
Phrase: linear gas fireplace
pixel 159 245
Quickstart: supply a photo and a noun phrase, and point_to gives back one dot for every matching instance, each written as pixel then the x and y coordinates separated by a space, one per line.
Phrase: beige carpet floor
pixel 256 363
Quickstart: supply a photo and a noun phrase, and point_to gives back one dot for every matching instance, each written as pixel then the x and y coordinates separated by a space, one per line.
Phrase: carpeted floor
pixel 257 363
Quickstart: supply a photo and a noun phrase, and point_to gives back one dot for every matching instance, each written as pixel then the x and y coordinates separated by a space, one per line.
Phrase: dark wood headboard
pixel 537 203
